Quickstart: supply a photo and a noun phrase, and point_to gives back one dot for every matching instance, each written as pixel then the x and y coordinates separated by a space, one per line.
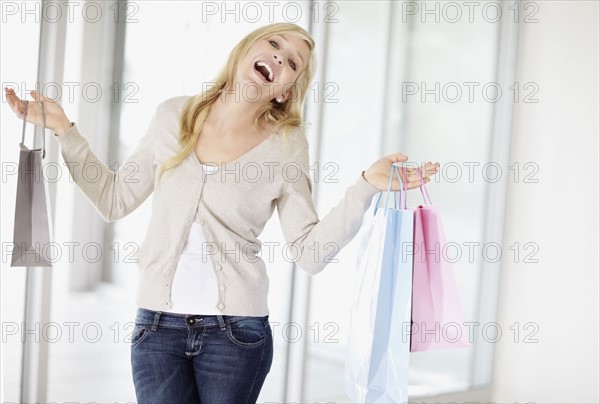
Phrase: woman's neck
pixel 230 113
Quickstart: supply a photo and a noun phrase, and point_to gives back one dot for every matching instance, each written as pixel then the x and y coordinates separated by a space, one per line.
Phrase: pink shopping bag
pixel 437 320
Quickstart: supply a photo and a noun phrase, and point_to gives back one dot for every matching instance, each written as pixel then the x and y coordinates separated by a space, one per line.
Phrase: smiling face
pixel 272 65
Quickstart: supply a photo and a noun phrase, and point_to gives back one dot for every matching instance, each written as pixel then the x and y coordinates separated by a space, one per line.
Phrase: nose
pixel 278 59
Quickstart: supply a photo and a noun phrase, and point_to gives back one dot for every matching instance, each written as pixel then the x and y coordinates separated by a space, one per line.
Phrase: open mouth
pixel 265 70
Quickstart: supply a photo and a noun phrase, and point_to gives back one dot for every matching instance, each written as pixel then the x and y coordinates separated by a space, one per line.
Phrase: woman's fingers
pixel 53 117
pixel 17 105
pixel 414 177
pixel 37 96
pixel 426 171
pixel 30 110
pixel 13 100
pixel 417 183
pixel 396 157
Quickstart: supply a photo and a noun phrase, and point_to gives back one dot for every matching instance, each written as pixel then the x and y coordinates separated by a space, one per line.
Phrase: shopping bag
pixel 31 234
pixel 437 315
pixel 377 360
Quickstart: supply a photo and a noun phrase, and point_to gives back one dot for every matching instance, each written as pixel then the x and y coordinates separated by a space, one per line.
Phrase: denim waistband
pixel 159 319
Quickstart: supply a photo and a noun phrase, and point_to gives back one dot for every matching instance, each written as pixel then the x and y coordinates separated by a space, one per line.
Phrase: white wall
pixel 560 214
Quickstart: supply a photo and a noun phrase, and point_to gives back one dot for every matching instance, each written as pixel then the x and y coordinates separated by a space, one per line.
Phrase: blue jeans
pixel 187 359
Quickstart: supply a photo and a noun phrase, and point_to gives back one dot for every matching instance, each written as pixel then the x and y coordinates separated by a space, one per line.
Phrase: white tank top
pixel 195 288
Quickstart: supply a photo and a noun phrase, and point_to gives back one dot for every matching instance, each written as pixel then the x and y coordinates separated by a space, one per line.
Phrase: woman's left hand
pixel 379 173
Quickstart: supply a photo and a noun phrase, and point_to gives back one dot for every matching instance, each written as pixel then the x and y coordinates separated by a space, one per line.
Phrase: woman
pixel 218 164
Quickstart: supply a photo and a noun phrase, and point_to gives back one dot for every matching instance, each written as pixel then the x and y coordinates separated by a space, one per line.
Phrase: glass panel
pixel 19 71
pixel 420 51
pixel 347 147
pixel 442 57
pixel 89 317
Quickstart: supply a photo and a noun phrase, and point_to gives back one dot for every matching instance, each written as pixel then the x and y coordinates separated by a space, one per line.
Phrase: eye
pixel 276 46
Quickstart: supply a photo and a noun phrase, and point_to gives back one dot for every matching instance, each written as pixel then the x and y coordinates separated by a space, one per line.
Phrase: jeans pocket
pixel 139 334
pixel 247 333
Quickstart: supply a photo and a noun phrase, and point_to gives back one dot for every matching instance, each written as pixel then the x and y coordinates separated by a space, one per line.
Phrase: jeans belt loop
pixel 221 322
pixel 156 320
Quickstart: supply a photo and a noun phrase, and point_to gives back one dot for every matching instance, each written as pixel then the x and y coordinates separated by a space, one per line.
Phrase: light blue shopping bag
pixel 376 368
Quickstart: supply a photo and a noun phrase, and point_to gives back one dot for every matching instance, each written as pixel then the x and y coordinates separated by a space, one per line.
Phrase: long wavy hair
pixel 286 115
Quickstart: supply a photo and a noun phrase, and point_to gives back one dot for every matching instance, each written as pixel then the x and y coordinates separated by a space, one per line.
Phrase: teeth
pixel 266 66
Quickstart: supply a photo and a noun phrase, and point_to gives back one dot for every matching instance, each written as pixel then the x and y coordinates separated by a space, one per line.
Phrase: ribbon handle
pixel 423 188
pixel 404 188
pixel 43 130
pixel 401 203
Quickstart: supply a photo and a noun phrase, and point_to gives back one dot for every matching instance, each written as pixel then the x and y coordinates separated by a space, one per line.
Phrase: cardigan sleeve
pixel 114 194
pixel 315 242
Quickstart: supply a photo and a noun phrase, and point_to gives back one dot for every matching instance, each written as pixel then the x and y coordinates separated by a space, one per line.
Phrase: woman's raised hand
pixel 379 173
pixel 56 120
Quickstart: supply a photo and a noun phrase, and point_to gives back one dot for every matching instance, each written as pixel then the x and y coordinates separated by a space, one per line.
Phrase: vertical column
pixel 500 152
pixel 34 371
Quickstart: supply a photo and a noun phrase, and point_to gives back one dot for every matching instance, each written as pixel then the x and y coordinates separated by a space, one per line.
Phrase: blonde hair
pixel 286 115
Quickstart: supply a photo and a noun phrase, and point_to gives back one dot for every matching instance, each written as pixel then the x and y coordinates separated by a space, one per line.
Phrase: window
pixel 392 65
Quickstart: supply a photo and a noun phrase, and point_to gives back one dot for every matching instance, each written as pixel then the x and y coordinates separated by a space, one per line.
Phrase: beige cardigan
pixel 234 205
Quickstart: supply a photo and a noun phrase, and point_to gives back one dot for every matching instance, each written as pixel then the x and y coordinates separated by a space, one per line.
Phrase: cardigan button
pixel 221 306
pixel 222 287
pixel 219 267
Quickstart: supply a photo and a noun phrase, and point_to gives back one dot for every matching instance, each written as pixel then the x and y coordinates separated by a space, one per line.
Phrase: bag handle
pixel 423 188
pixel 404 182
pixel 402 192
pixel 43 130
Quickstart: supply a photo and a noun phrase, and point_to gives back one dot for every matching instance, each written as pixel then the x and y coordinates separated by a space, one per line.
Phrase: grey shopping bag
pixel 31 235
